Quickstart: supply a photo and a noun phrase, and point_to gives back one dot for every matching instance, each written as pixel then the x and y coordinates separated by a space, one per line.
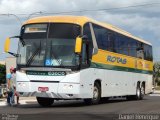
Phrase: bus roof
pixel 81 20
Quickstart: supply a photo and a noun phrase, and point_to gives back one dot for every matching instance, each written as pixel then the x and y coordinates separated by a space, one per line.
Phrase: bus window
pixel 22 49
pixel 132 47
pixel 123 45
pixel 140 50
pixel 101 36
pixel 63 31
pixel 148 52
pixel 111 42
pixel 117 43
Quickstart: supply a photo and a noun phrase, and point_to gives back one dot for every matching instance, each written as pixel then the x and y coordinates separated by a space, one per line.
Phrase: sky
pixel 141 21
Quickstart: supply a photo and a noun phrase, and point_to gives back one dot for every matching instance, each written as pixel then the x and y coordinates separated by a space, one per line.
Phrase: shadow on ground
pixel 76 103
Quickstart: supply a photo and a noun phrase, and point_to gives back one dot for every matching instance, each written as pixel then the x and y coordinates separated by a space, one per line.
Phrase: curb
pixel 156 92
pixel 22 102
pixel 2 100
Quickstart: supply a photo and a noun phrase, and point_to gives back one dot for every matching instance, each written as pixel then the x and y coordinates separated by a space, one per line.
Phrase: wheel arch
pixel 144 85
pixel 99 81
pixel 138 83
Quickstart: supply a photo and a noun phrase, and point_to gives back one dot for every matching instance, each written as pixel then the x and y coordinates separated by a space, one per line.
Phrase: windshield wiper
pixel 57 59
pixel 30 60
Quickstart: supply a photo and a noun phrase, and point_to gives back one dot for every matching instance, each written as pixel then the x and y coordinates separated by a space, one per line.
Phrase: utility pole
pixel 19 20
pixel 34 13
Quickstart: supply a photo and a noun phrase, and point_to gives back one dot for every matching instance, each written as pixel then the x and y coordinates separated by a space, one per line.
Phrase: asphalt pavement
pixel 115 109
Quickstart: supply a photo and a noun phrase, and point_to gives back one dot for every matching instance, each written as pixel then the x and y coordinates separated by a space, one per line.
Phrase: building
pixel 10 62
pixel 2 62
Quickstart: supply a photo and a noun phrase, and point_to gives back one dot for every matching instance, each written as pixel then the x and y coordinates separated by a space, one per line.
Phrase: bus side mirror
pixel 7 45
pixel 78 45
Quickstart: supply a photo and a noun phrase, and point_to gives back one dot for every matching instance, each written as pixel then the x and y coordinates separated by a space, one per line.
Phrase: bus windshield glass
pixel 48 45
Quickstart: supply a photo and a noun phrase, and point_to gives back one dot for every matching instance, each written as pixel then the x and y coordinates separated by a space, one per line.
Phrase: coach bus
pixel 75 57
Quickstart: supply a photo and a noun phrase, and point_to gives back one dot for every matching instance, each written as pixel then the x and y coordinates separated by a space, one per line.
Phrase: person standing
pixel 10 96
pixel 14 86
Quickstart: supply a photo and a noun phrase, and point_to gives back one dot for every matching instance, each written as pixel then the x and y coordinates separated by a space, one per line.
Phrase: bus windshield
pixel 48 45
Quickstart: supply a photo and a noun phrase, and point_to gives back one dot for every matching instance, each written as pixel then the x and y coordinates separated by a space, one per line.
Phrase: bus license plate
pixel 43 89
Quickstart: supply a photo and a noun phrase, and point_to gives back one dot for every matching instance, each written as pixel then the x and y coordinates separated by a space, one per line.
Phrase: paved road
pixel 78 110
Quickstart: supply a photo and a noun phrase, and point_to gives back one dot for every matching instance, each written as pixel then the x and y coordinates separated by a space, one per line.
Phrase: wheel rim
pixel 138 92
pixel 142 90
pixel 95 93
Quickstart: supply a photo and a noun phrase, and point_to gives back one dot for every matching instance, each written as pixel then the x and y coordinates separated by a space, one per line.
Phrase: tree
pixel 2 74
pixel 156 72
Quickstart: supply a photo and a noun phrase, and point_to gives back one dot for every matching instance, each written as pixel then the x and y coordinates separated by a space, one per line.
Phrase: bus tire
pixel 96 95
pixel 45 102
pixel 142 92
pixel 138 93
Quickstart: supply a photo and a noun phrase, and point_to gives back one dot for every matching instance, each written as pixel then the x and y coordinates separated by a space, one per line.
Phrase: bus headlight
pixel 67 86
pixel 22 71
pixel 21 85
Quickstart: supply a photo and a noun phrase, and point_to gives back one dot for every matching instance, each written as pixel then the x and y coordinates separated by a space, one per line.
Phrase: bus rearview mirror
pixel 7 45
pixel 78 45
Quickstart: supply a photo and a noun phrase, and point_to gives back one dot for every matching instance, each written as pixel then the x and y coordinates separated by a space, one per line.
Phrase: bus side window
pixel 111 42
pixel 123 45
pixel 101 36
pixel 148 52
pixel 132 45
pixel 140 50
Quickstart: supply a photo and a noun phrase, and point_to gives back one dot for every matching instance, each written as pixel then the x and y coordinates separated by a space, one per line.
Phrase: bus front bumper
pixel 54 90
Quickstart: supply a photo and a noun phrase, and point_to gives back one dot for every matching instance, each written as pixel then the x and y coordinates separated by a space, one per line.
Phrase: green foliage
pixel 2 74
pixel 156 72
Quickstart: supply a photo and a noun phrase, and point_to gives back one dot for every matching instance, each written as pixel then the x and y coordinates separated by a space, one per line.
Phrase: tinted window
pixel 132 45
pixel 101 36
pixel 63 31
pixel 123 45
pixel 140 50
pixel 148 52
pixel 115 42
pixel 111 41
pixel 87 31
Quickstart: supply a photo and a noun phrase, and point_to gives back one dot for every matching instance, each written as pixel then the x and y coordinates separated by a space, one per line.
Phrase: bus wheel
pixel 142 92
pixel 45 102
pixel 96 95
pixel 137 96
pixel 138 93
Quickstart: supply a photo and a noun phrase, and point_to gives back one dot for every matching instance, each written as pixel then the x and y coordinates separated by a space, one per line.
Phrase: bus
pixel 76 57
